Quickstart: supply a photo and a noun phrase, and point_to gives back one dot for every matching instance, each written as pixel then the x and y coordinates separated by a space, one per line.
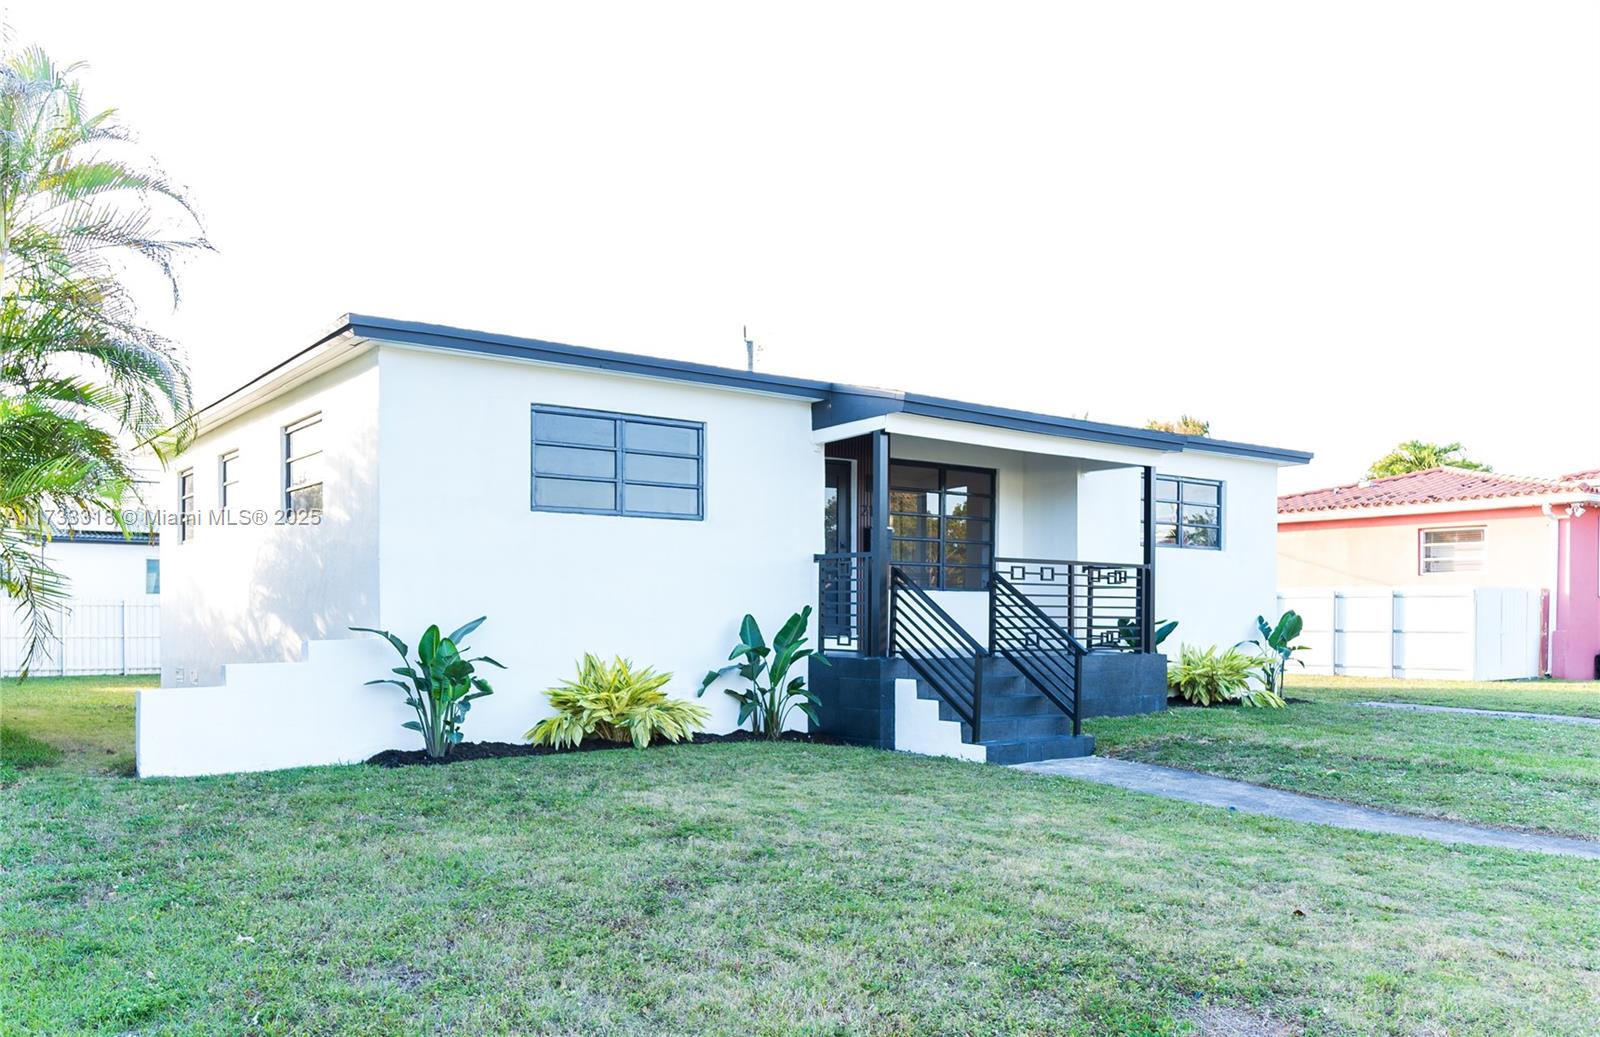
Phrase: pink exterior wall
pixel 1520 547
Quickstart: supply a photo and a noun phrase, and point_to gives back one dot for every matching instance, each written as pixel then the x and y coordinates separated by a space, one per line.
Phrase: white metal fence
pixel 1466 633
pixel 90 637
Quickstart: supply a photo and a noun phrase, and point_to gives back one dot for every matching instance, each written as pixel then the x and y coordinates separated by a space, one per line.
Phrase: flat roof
pixel 833 403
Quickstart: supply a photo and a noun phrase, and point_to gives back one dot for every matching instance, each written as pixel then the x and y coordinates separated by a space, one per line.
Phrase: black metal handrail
pixel 936 647
pixel 1046 655
pixel 844 601
pixel 1100 604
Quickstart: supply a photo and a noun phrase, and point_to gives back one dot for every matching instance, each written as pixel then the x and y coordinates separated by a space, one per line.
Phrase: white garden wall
pixel 1459 633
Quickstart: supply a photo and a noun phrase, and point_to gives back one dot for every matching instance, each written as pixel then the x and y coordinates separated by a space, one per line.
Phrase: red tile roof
pixel 1432 486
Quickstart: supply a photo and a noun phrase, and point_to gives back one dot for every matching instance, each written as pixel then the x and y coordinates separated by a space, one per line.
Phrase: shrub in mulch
pixel 1178 703
pixel 495 750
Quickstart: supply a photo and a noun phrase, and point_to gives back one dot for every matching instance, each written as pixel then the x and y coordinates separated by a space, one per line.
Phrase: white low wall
pixel 1465 633
pixel 267 716
pixel 918 727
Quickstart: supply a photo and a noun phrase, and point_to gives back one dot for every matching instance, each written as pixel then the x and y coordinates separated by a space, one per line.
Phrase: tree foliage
pixel 82 380
pixel 1186 425
pixel 1414 455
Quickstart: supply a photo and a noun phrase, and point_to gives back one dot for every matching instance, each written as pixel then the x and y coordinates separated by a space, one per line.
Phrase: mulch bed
pixel 495 750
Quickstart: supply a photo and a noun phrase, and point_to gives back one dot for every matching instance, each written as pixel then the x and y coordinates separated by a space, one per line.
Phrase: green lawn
pixel 1514 773
pixel 82 724
pixel 747 889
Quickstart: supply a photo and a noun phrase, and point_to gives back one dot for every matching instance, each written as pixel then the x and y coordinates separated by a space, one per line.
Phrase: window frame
pixel 619 450
pixel 939 567
pixel 288 459
pixel 1481 529
pixel 223 482
pixel 187 512
pixel 1178 503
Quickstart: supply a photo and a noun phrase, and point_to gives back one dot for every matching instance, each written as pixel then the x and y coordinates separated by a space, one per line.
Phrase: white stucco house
pixel 981 576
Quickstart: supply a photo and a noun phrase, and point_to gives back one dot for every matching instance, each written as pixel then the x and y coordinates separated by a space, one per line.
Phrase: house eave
pixel 1532 503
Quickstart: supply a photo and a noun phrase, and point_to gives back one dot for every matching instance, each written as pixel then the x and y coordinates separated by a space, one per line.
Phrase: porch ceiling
pixel 1097 454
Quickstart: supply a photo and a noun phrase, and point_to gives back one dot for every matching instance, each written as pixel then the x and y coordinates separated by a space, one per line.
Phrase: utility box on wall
pixel 1467 633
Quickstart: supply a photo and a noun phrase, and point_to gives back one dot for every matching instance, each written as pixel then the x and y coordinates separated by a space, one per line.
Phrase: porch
pixel 954 564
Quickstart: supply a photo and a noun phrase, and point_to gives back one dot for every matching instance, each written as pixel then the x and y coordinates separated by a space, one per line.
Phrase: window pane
pixel 959 504
pixel 569 493
pixel 912 526
pixel 307 499
pixel 667 500
pixel 669 438
pixel 306 471
pixel 909 502
pixel 570 428
pixel 1199 492
pixel 1167 489
pixel 152 576
pixel 566 460
pixel 304 440
pixel 966 554
pixel 652 468
pixel 966 579
pixel 913 477
pixel 921 575
pixel 961 480
pixel 968 529
pixel 1166 513
pixel 1201 536
pixel 1166 534
pixel 914 551
pixel 1199 516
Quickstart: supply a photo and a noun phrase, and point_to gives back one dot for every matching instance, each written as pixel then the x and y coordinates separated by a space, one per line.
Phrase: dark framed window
pixel 942 518
pixel 187 515
pixel 227 477
pixel 303 467
pixel 1189 513
pixel 601 463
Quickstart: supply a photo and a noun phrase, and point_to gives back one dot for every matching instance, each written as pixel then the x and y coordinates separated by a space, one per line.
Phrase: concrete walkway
pixel 1504 714
pixel 1192 787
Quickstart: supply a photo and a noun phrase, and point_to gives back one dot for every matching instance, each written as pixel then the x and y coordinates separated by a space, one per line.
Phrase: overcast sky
pixel 1318 225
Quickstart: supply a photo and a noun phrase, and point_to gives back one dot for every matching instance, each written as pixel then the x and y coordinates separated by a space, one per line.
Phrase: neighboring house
pixel 396 474
pixel 1453 528
pixel 110 621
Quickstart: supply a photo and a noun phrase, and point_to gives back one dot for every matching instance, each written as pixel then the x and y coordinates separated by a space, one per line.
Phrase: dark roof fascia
pixel 439 336
pixel 833 403
pixel 1226 446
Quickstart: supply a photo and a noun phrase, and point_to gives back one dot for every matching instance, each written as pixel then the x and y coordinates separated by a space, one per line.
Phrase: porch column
pixel 1147 592
pixel 877 640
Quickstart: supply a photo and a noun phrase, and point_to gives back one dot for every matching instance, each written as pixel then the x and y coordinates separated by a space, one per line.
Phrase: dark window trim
pixel 1222 503
pixel 620 450
pixel 283 438
pixel 942 539
pixel 187 513
pixel 223 482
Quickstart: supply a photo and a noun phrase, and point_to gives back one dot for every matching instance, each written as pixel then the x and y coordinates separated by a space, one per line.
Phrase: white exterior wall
pixel 242 594
pixel 1214 595
pixel 103 571
pixel 459 539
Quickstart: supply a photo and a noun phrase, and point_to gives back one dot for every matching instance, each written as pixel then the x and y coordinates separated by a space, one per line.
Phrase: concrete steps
pixel 1019 724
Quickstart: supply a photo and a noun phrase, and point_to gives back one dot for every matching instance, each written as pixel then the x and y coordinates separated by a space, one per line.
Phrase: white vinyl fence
pixel 1466 633
pixel 91 637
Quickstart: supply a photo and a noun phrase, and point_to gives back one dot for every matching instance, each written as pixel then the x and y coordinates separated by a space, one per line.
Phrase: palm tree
pixel 1416 456
pixel 81 380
